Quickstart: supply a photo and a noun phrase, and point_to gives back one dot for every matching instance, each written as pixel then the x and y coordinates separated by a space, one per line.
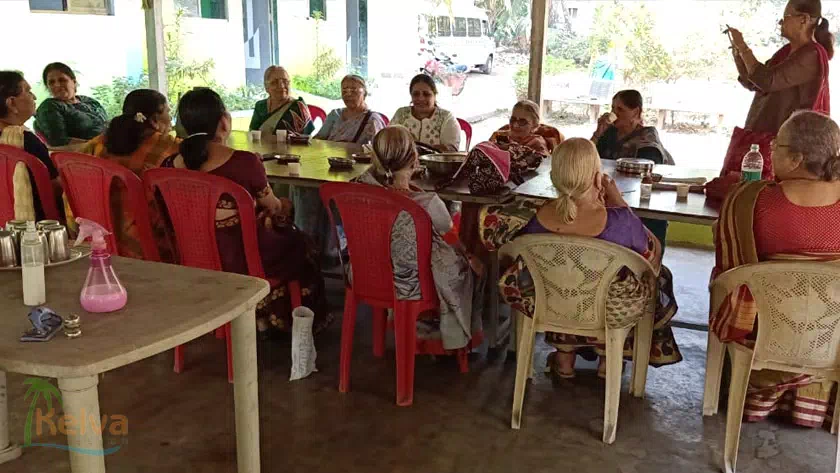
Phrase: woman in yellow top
pixel 139 139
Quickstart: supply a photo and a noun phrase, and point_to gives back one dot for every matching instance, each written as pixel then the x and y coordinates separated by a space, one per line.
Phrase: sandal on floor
pixel 553 367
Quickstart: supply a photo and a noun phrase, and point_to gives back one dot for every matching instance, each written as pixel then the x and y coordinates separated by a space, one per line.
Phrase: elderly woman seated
pixel 394 162
pixel 67 118
pixel 428 123
pixel 791 218
pixel 139 139
pixel 355 123
pixel 589 204
pixel 17 105
pixel 525 129
pixel 280 111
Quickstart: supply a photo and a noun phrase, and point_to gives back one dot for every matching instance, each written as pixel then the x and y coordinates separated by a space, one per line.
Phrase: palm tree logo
pixel 37 387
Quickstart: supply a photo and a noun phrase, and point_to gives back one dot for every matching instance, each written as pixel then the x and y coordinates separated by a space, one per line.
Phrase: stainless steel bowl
pixel 443 164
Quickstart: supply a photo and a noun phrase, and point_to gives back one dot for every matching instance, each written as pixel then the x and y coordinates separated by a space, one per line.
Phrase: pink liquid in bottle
pixel 102 291
pixel 103 298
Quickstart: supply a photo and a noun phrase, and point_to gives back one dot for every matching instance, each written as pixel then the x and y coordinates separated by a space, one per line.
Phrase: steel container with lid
pixel 639 167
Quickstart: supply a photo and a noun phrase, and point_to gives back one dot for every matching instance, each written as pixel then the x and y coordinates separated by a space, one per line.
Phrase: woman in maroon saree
pixel 795 78
pixel 287 254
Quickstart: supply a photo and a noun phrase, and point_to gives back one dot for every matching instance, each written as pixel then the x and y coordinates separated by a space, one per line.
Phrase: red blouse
pixel 780 226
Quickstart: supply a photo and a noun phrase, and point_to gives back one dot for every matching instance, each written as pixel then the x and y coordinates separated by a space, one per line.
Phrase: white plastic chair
pixel 572 277
pixel 798 331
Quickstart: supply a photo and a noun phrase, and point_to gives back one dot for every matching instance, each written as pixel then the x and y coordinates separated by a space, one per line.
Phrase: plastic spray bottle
pixel 102 291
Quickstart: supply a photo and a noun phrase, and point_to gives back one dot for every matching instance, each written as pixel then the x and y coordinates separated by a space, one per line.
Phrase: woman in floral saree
pixel 589 204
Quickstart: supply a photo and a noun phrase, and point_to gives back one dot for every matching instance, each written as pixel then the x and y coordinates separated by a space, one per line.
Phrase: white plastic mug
pixel 256 135
pixel 294 168
pixel 282 136
pixel 682 191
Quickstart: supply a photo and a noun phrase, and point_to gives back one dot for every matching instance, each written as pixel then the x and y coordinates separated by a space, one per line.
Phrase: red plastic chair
pixel 9 157
pixel 367 214
pixel 190 198
pixel 467 129
pixel 87 182
pixel 385 119
pixel 318 112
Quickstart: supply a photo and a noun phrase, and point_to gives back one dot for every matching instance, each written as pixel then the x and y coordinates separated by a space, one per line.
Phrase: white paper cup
pixel 645 190
pixel 682 191
pixel 282 136
pixel 256 135
pixel 294 168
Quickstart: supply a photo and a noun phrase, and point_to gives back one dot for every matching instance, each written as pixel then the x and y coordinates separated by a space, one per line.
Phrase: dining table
pixel 662 205
pixel 168 305
pixel 315 167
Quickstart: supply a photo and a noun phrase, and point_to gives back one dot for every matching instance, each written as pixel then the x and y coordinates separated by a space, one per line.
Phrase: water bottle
pixel 752 165
pixel 32 259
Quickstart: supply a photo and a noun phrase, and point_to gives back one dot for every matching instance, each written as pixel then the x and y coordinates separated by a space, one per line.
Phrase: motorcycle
pixel 444 70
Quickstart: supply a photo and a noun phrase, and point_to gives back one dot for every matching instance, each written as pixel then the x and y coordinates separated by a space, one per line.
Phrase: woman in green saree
pixel 280 111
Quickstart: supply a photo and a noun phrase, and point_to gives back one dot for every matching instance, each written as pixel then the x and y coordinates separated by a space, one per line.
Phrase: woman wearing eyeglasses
pixel 796 77
pixel 280 111
pixel 525 129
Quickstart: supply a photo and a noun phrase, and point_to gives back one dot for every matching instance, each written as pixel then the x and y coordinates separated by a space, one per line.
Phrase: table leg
pixel 8 452
pixel 80 398
pixel 245 394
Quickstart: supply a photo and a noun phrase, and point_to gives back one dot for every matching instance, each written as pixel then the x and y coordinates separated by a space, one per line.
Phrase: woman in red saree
pixel 766 220
pixel 795 78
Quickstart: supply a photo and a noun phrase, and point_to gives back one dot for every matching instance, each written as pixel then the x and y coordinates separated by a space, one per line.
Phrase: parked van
pixel 461 33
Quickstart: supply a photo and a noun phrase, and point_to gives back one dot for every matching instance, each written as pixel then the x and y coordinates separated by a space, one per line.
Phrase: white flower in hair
pixel 139 117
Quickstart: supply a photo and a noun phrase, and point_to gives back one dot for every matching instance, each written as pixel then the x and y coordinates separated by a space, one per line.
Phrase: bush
pixel 567 45
pixel 315 85
pixel 552 66
pixel 241 98
pixel 112 95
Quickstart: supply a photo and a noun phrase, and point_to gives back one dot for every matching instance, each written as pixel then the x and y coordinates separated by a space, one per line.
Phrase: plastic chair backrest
pixel 87 181
pixel 385 119
pixel 572 276
pixel 318 112
pixel 467 128
pixel 798 312
pixel 190 198
pixel 367 217
pixel 9 157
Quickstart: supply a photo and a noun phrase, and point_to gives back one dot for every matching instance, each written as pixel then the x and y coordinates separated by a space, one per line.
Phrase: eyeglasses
pixel 519 121
pixel 782 20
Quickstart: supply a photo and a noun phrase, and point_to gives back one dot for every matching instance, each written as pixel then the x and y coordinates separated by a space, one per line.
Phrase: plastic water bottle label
pixel 749 176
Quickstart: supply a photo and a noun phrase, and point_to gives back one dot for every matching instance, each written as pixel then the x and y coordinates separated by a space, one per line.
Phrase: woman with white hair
pixel 589 204
pixel 356 123
pixel 280 111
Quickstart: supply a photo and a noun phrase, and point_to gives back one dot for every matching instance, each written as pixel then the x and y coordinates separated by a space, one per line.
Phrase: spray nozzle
pixel 89 228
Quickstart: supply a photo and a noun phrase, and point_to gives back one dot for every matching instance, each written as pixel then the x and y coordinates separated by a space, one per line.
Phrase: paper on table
pixel 303 344
pixel 683 180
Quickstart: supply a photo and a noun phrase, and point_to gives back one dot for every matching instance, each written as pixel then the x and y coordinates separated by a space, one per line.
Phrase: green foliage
pixel 241 98
pixel 183 74
pixel 552 66
pixel 630 29
pixel 510 21
pixel 565 44
pixel 112 95
pixel 322 80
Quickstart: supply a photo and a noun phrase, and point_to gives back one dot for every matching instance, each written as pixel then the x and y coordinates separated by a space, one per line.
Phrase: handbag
pixel 488 167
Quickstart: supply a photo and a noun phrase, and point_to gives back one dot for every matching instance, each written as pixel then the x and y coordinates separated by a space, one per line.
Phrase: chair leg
pixel 405 331
pixel 642 340
pixel 463 360
pixel 179 359
pixel 229 352
pixel 294 294
pixel 741 364
pixel 348 324
pixel 615 360
pixel 380 323
pixel 525 333
pixel 715 351
pixel 836 419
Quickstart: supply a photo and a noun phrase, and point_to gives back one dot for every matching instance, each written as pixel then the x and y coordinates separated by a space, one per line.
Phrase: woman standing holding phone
pixel 795 78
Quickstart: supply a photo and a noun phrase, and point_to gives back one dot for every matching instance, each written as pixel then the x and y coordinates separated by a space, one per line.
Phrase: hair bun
pixel 831 168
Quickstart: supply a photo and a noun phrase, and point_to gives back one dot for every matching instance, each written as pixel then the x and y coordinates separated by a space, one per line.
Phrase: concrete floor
pixel 459 423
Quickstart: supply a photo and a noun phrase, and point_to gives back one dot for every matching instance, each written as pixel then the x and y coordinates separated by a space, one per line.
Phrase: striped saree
pixel 804 398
